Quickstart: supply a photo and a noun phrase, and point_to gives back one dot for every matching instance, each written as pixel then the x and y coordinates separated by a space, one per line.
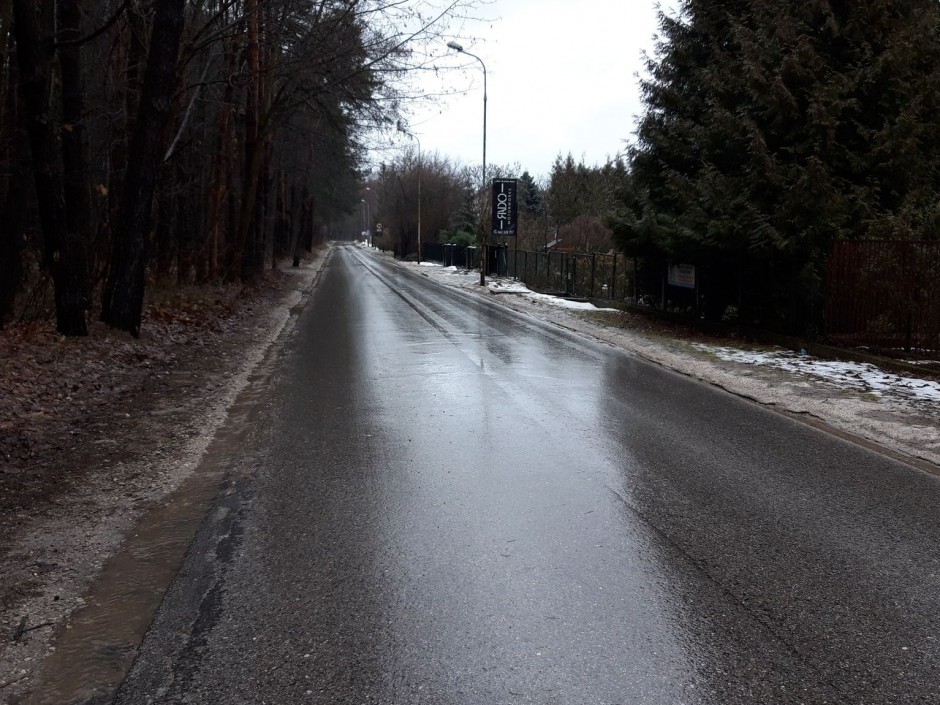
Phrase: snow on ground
pixel 852 375
pixel 564 303
pixel 505 285
pixel 848 375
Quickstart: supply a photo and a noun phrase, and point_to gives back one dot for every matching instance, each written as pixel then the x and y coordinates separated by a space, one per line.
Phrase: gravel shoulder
pixel 93 432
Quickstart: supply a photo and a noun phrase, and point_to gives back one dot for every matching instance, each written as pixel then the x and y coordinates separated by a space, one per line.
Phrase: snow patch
pixel 564 303
pixel 849 375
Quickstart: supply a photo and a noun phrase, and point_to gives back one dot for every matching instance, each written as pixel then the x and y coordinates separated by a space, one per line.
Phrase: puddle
pixel 97 645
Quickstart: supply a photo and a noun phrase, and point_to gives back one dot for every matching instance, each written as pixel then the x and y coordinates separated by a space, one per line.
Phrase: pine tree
pixel 531 197
pixel 773 129
pixel 464 221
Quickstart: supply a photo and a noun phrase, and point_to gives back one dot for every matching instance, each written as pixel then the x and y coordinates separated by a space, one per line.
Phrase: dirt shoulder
pixel 94 431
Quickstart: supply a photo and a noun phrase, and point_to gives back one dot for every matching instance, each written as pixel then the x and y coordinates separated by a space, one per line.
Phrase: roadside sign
pixel 681 275
pixel 505 208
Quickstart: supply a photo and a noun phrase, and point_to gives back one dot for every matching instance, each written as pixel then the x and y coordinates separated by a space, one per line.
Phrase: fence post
pixel 593 270
pixel 613 280
pixel 635 277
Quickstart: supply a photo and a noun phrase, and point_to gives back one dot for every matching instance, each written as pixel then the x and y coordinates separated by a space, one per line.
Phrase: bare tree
pixel 191 137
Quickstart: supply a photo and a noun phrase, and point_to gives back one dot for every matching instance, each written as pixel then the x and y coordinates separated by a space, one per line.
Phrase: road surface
pixel 445 502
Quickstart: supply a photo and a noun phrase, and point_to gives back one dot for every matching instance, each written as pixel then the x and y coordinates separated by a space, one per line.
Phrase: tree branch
pixel 97 33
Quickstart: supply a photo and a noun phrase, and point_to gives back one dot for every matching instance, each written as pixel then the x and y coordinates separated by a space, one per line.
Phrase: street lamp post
pixel 368 221
pixel 458 48
pixel 420 167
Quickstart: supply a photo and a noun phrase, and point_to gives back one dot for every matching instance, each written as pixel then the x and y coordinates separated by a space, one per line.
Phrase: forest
pixel 195 140
pixel 200 140
pixel 775 130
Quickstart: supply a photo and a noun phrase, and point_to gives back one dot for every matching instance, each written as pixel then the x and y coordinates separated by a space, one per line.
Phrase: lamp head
pixel 455 46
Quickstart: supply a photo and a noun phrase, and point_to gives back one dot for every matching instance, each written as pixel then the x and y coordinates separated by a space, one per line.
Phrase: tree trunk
pixel 281 234
pixel 262 214
pixel 64 254
pixel 14 212
pixel 126 57
pixel 188 217
pixel 248 232
pixel 232 256
pixel 295 220
pixel 220 183
pixel 162 225
pixel 123 301
pixel 74 148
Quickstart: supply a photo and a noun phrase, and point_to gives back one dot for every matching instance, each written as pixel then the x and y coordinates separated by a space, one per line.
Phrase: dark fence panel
pixel 885 293
pixel 460 256
pixel 879 293
pixel 540 271
pixel 597 276
pixel 432 251
pixel 610 277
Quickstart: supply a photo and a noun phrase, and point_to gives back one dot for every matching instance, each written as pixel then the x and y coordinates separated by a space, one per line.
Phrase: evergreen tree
pixel 577 190
pixel 464 221
pixel 773 129
pixel 531 197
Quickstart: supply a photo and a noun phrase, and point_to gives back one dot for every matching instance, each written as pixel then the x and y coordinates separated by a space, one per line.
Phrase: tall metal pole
pixel 483 258
pixel 420 169
pixel 483 239
pixel 368 221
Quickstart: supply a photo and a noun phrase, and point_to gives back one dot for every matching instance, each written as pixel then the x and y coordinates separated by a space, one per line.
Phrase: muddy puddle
pixel 95 649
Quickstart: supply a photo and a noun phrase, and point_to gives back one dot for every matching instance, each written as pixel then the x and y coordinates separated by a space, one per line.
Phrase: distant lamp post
pixel 368 221
pixel 458 48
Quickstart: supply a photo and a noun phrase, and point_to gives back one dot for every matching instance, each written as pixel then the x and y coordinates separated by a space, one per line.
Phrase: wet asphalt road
pixel 443 502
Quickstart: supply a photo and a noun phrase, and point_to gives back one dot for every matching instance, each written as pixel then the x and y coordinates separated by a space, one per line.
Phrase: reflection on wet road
pixel 448 503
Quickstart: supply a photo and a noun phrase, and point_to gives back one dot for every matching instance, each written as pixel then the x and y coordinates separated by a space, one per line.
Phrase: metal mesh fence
pixel 597 276
pixel 879 293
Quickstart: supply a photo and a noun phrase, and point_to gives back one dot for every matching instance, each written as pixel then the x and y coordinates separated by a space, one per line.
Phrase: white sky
pixel 562 77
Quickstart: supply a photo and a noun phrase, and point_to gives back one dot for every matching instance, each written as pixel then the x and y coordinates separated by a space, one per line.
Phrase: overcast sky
pixel 561 78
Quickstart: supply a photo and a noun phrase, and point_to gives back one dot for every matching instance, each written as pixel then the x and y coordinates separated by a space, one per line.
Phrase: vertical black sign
pixel 505 208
